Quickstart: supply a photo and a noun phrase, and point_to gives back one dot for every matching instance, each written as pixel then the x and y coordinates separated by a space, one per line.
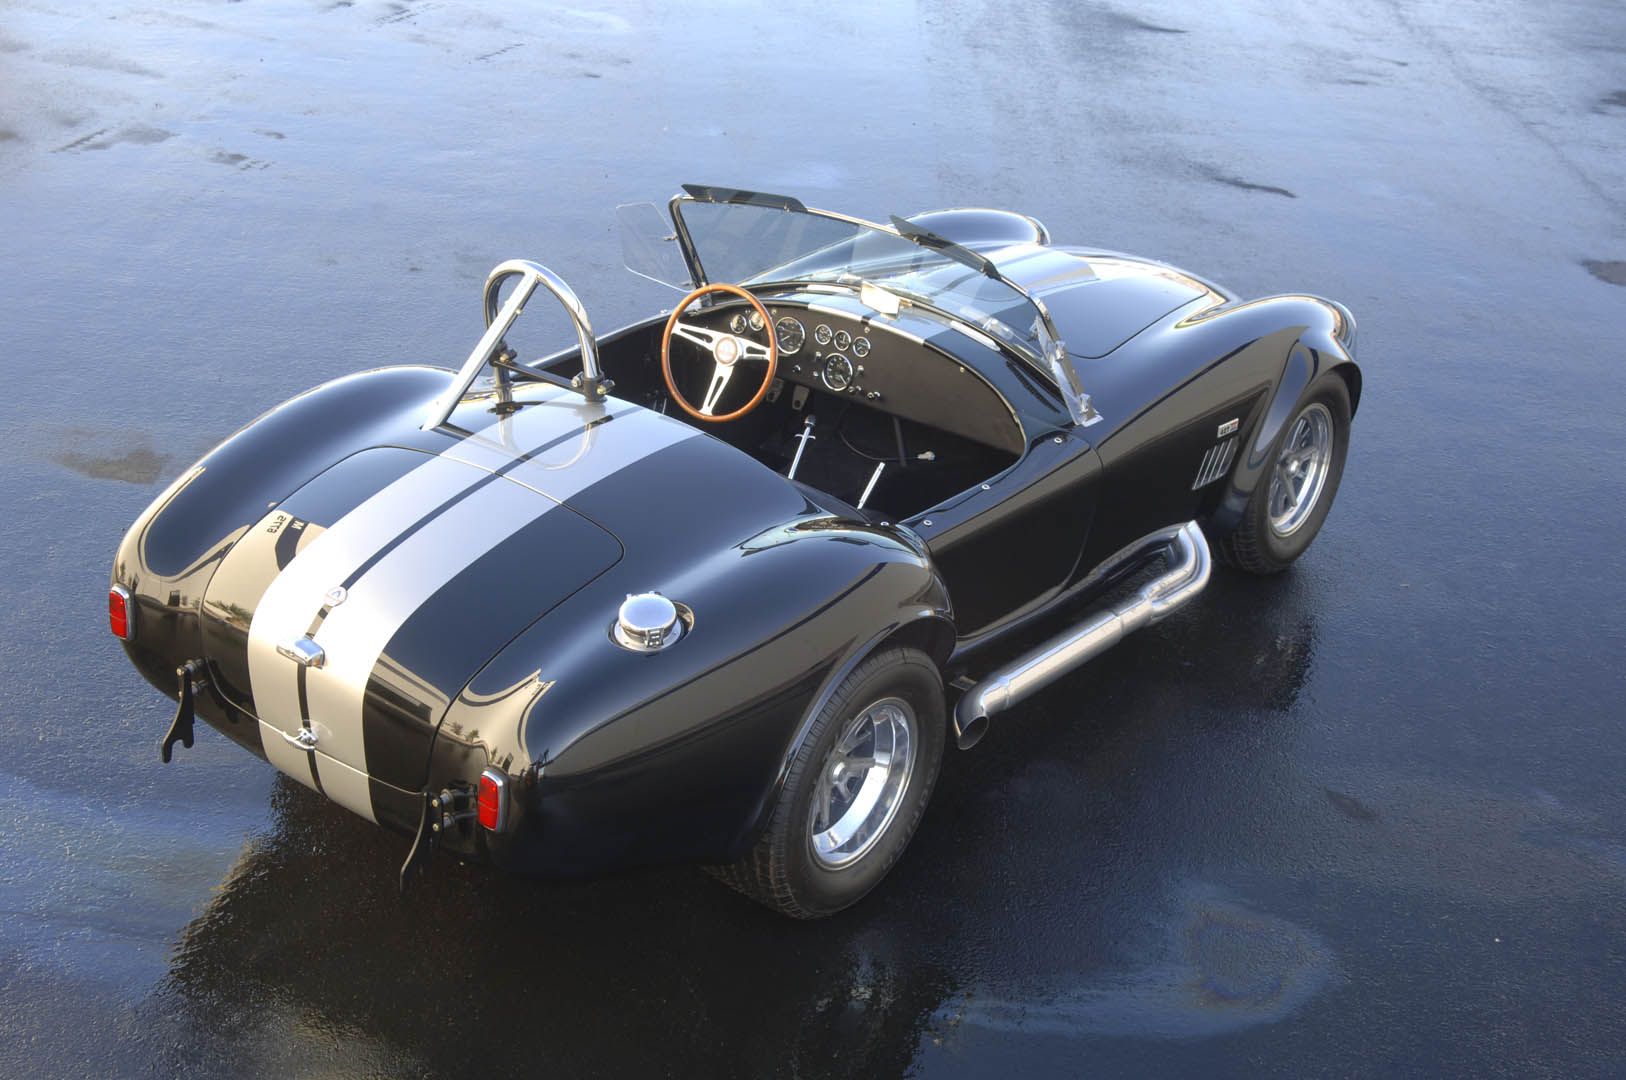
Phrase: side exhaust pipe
pixel 1190 564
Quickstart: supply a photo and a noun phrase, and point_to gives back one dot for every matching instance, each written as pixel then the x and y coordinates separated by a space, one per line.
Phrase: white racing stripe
pixel 290 603
pixel 356 632
pixel 566 470
pixel 295 596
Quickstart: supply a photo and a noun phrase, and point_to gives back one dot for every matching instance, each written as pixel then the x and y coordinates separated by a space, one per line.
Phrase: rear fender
pixel 915 628
pixel 623 759
pixel 169 555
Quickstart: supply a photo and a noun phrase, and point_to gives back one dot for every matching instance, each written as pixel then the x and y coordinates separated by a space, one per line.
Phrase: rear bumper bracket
pixel 180 728
pixel 442 811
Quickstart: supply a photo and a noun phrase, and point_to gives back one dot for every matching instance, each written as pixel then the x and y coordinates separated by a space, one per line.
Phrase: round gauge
pixel 837 372
pixel 790 335
pixel 843 339
pixel 755 320
pixel 861 347
pixel 821 334
pixel 737 323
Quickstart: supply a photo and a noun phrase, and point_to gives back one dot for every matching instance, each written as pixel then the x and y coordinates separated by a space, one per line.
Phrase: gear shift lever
pixel 801 445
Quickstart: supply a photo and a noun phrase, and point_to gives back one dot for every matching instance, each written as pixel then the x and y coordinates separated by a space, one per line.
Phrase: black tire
pixel 1256 547
pixel 782 871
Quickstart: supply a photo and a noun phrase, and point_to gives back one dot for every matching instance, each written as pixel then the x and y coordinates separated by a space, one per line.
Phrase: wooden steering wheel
pixel 726 352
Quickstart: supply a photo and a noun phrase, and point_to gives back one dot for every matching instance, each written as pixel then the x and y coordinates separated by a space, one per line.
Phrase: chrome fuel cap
pixel 647 622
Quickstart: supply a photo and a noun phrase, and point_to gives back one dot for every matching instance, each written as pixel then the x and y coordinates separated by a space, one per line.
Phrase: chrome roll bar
pixel 591 383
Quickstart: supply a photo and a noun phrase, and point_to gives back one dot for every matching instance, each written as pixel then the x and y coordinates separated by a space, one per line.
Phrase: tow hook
pixel 180 729
pixel 442 811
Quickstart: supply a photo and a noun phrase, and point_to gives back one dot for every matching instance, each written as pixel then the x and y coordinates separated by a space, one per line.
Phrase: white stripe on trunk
pixel 381 601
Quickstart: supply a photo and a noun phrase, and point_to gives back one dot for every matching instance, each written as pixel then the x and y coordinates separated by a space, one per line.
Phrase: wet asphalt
pixel 1363 819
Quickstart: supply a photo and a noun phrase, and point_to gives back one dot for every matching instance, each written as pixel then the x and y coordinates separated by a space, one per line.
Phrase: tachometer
pixel 837 372
pixel 789 334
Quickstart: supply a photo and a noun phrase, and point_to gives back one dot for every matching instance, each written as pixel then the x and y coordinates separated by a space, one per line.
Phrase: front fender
pixel 621 759
pixel 1326 343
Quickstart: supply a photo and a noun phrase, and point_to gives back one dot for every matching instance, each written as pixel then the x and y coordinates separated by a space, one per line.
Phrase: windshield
pixel 751 244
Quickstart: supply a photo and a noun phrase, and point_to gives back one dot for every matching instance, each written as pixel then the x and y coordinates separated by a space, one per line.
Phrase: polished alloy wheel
pixel 862 783
pixel 1301 470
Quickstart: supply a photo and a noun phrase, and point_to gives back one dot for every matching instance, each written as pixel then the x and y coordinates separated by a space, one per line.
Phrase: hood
pixel 1098 300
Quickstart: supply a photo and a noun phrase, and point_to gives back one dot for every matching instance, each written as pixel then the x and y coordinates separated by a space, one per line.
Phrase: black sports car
pixel 698 589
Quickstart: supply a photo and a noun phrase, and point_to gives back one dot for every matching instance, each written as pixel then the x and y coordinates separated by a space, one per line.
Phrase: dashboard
pixel 901 365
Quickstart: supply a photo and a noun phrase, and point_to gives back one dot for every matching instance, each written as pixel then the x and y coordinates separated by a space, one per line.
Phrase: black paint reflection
pixel 307 951
pixel 1039 877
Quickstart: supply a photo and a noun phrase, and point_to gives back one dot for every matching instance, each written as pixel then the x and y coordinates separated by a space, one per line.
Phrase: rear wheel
pixel 855 791
pixel 1292 498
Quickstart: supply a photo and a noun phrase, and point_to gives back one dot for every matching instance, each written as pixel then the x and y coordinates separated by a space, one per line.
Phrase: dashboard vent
pixel 1215 463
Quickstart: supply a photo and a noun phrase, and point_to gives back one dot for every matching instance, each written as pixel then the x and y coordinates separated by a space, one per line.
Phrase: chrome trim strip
pixel 975 335
pixel 1187 575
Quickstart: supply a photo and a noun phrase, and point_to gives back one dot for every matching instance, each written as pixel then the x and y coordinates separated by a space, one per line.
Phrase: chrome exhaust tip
pixel 1190 564
pixel 969 728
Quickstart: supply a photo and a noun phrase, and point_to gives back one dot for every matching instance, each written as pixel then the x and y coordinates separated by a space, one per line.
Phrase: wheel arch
pixel 1324 348
pixel 928 631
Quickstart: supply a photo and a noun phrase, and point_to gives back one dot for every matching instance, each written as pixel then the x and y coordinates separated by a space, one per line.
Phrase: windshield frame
pixel 1050 359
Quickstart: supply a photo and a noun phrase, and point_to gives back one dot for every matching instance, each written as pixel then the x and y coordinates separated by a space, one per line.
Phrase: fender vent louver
pixel 1215 463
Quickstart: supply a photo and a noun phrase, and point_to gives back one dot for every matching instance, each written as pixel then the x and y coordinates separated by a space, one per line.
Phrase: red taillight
pixel 493 801
pixel 120 613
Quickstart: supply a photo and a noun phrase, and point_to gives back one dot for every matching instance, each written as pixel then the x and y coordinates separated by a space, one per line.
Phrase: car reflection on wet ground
pixel 1365 818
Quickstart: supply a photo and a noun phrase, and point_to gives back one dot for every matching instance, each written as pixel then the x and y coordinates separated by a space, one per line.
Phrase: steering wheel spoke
pixel 714 390
pixel 706 339
pixel 726 352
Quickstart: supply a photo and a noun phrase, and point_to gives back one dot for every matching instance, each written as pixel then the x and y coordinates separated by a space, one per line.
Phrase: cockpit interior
pixel 876 412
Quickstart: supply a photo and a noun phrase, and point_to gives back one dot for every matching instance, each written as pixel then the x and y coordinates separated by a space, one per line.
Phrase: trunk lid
pixel 409 571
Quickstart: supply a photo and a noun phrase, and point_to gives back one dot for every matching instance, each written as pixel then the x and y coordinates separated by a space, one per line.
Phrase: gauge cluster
pixel 901 366
pixel 836 366
pixel 815 347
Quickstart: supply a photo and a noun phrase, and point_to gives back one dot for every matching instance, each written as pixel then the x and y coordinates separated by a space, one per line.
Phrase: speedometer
pixel 789 334
pixel 837 372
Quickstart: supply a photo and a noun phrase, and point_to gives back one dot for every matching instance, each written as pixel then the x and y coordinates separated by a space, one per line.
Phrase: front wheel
pixel 855 791
pixel 1291 499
